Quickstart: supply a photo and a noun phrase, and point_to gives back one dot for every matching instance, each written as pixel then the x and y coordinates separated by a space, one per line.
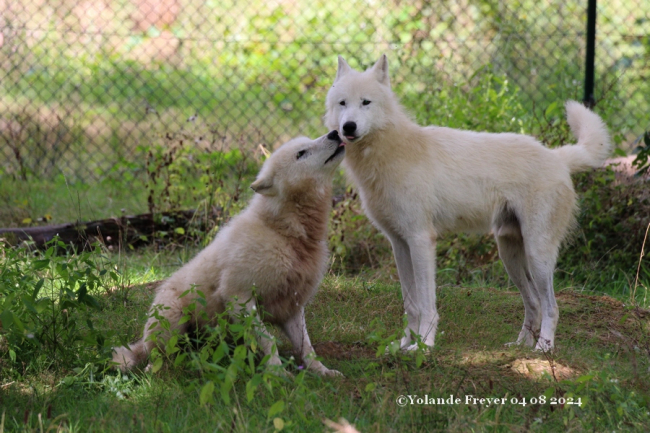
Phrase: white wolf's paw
pixel 525 339
pixel 544 345
pixel 520 342
pixel 414 348
pixel 393 347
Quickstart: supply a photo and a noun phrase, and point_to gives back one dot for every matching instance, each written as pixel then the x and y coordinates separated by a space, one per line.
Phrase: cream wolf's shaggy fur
pixel 418 182
pixel 276 245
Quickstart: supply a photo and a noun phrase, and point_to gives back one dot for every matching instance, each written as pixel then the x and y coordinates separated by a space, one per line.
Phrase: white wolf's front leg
pixel 407 282
pixel 296 330
pixel 422 247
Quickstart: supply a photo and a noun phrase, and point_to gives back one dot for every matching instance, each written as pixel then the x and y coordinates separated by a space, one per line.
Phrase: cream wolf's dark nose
pixel 334 135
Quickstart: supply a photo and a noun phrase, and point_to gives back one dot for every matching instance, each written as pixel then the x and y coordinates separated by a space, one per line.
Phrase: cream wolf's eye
pixel 366 102
pixel 342 103
pixel 300 154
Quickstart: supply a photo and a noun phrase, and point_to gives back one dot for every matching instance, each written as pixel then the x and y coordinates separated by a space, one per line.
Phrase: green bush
pixel 612 222
pixel 47 302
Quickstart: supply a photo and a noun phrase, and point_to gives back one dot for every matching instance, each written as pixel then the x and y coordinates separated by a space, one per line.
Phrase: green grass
pixel 603 343
pixel 57 201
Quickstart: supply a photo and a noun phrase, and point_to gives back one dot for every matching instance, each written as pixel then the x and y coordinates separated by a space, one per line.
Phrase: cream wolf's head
pixel 360 103
pixel 301 165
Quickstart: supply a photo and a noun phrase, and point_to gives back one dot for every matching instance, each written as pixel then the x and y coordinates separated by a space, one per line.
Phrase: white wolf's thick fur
pixel 418 182
pixel 277 245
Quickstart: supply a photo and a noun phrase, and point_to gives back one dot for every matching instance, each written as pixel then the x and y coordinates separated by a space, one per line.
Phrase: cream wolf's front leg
pixel 296 330
pixel 266 340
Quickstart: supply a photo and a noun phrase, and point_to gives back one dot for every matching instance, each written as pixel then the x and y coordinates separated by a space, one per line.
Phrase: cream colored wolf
pixel 418 182
pixel 278 245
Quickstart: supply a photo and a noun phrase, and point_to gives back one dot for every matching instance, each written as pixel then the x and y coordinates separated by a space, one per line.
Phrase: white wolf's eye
pixel 342 103
pixel 300 154
pixel 366 102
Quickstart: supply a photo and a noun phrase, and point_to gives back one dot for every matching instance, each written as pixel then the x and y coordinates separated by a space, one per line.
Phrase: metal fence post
pixel 589 99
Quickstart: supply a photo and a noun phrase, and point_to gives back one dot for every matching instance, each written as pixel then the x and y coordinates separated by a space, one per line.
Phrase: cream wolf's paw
pixel 127 357
pixel 318 368
pixel 330 373
pixel 123 359
pixel 278 370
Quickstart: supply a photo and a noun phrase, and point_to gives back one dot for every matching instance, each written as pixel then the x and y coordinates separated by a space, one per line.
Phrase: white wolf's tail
pixel 594 145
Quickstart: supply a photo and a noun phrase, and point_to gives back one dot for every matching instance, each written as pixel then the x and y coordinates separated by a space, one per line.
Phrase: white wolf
pixel 418 182
pixel 278 245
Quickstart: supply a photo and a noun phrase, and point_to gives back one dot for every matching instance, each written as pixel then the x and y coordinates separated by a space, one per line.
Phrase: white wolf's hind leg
pixel 541 262
pixel 543 279
pixel 511 251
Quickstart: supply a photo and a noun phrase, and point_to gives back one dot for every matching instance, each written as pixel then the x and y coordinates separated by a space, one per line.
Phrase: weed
pixel 47 302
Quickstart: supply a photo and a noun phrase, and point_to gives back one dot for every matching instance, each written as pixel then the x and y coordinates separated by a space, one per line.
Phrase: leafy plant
pixel 642 159
pixel 388 344
pixel 193 167
pixel 224 355
pixel 47 302
pixel 600 392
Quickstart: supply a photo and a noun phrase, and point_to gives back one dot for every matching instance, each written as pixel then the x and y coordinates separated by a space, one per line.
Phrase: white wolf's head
pixel 301 164
pixel 360 103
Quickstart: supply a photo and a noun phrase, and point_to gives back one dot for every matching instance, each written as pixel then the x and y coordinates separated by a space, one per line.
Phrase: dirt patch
pixel 486 357
pixel 573 298
pixel 603 320
pixel 346 352
pixel 535 369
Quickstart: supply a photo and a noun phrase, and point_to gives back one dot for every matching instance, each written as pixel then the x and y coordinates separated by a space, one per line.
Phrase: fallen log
pixel 131 230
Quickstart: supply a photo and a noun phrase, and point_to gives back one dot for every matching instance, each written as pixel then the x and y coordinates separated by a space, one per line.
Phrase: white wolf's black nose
pixel 349 128
pixel 334 135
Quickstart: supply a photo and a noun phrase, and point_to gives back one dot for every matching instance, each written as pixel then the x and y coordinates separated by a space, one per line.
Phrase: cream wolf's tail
pixel 594 145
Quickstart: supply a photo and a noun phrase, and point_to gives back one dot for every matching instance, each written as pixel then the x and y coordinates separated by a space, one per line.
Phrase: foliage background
pixel 111 107
pixel 88 86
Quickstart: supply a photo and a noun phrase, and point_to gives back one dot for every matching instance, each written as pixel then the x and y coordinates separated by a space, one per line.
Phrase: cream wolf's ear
pixel 344 68
pixel 264 185
pixel 381 70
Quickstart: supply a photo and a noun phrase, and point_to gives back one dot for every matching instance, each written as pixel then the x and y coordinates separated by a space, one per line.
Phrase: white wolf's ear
pixel 344 68
pixel 264 185
pixel 381 70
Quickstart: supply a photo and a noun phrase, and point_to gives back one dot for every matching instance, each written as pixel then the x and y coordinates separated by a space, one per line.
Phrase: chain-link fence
pixel 88 84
